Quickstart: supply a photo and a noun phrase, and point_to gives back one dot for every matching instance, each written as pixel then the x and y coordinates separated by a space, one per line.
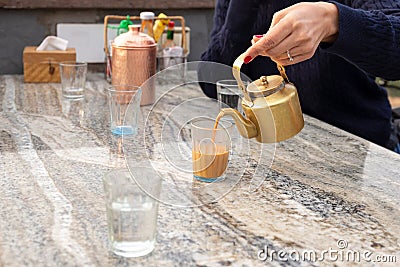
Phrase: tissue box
pixel 43 66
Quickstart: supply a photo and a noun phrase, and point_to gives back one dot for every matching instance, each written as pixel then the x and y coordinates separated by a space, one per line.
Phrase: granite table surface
pixel 322 198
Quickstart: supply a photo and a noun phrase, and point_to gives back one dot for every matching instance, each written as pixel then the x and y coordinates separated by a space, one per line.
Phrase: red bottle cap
pixel 171 24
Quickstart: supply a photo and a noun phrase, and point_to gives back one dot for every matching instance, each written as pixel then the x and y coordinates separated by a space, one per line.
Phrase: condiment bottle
pixel 147 19
pixel 159 26
pixel 124 25
pixel 170 36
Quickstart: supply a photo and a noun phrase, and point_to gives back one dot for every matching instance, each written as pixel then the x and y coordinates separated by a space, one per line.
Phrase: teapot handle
pixel 236 74
pixel 283 73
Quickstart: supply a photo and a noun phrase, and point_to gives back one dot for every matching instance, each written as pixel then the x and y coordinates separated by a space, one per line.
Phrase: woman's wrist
pixel 331 22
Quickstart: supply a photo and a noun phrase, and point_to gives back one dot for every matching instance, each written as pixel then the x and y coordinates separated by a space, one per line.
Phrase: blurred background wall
pixel 27 23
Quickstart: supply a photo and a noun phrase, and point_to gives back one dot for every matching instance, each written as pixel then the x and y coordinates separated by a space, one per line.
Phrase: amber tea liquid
pixel 210 159
pixel 210 164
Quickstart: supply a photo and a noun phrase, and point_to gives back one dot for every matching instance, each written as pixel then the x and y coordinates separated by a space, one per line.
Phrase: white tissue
pixel 53 43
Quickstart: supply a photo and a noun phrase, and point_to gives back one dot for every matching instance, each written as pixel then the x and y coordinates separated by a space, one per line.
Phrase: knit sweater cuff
pixel 365 37
pixel 351 30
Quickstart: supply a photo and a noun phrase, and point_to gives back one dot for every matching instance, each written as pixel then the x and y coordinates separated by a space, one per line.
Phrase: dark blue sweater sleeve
pixel 231 35
pixel 369 36
pixel 232 31
pixel 221 8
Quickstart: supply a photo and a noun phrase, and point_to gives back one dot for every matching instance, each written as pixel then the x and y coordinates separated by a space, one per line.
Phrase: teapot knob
pixel 264 80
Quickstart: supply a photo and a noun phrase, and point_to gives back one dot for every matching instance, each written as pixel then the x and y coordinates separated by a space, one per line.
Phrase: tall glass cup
pixel 73 78
pixel 124 103
pixel 132 208
pixel 211 147
pixel 229 94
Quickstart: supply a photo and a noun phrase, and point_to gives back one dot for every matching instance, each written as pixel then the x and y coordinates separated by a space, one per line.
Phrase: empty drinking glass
pixel 73 78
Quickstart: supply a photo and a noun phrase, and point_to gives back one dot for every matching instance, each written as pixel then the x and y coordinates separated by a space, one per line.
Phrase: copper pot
pixel 134 62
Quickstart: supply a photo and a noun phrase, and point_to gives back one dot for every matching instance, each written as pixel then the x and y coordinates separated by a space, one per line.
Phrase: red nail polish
pixel 258 36
pixel 247 59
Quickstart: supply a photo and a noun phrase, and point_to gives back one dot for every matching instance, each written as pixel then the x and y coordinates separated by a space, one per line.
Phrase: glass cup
pixel 229 94
pixel 73 78
pixel 211 147
pixel 132 209
pixel 124 103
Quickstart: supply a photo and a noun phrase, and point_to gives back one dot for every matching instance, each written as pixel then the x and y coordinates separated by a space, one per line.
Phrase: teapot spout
pixel 245 127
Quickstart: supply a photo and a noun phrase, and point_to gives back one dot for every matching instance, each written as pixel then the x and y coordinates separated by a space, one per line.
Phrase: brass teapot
pixel 271 105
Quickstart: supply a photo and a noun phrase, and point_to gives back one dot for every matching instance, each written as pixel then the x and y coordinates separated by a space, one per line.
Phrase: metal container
pixel 134 62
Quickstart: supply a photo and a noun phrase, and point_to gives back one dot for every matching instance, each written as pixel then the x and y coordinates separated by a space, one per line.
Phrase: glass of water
pixel 132 208
pixel 229 95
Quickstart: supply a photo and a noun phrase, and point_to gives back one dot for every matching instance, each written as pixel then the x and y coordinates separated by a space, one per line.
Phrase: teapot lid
pixel 265 86
pixel 134 39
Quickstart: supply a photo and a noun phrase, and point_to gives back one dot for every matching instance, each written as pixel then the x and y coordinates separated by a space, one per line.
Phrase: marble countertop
pixel 322 198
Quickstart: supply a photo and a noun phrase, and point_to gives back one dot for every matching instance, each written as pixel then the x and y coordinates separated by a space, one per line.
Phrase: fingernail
pixel 258 36
pixel 247 59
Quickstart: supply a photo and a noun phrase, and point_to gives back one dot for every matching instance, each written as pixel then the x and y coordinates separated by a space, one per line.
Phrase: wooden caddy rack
pixel 132 18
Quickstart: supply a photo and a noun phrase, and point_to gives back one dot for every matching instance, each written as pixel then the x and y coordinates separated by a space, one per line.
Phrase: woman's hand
pixel 296 32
